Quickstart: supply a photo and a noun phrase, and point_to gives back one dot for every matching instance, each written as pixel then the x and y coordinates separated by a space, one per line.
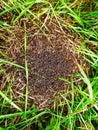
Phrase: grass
pixel 82 109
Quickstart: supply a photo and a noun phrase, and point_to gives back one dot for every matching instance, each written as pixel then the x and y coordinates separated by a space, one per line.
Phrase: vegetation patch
pixel 48 64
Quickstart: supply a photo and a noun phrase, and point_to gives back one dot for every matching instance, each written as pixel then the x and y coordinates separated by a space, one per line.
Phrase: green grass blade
pixel 26 67
pixel 86 80
pixel 10 63
pixel 75 16
pixel 8 10
pixel 9 101
pixel 24 11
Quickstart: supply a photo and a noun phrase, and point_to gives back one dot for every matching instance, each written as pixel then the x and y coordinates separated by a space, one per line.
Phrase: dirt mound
pixel 46 66
pixel 50 56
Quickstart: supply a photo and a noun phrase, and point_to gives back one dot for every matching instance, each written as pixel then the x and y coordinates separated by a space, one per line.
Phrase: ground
pixel 48 64
pixel 50 56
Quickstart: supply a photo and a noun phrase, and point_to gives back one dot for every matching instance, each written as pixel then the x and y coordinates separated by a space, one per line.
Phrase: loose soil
pixel 50 55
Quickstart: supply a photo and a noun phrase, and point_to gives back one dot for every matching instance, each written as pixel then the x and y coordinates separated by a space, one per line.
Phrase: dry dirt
pixel 50 55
